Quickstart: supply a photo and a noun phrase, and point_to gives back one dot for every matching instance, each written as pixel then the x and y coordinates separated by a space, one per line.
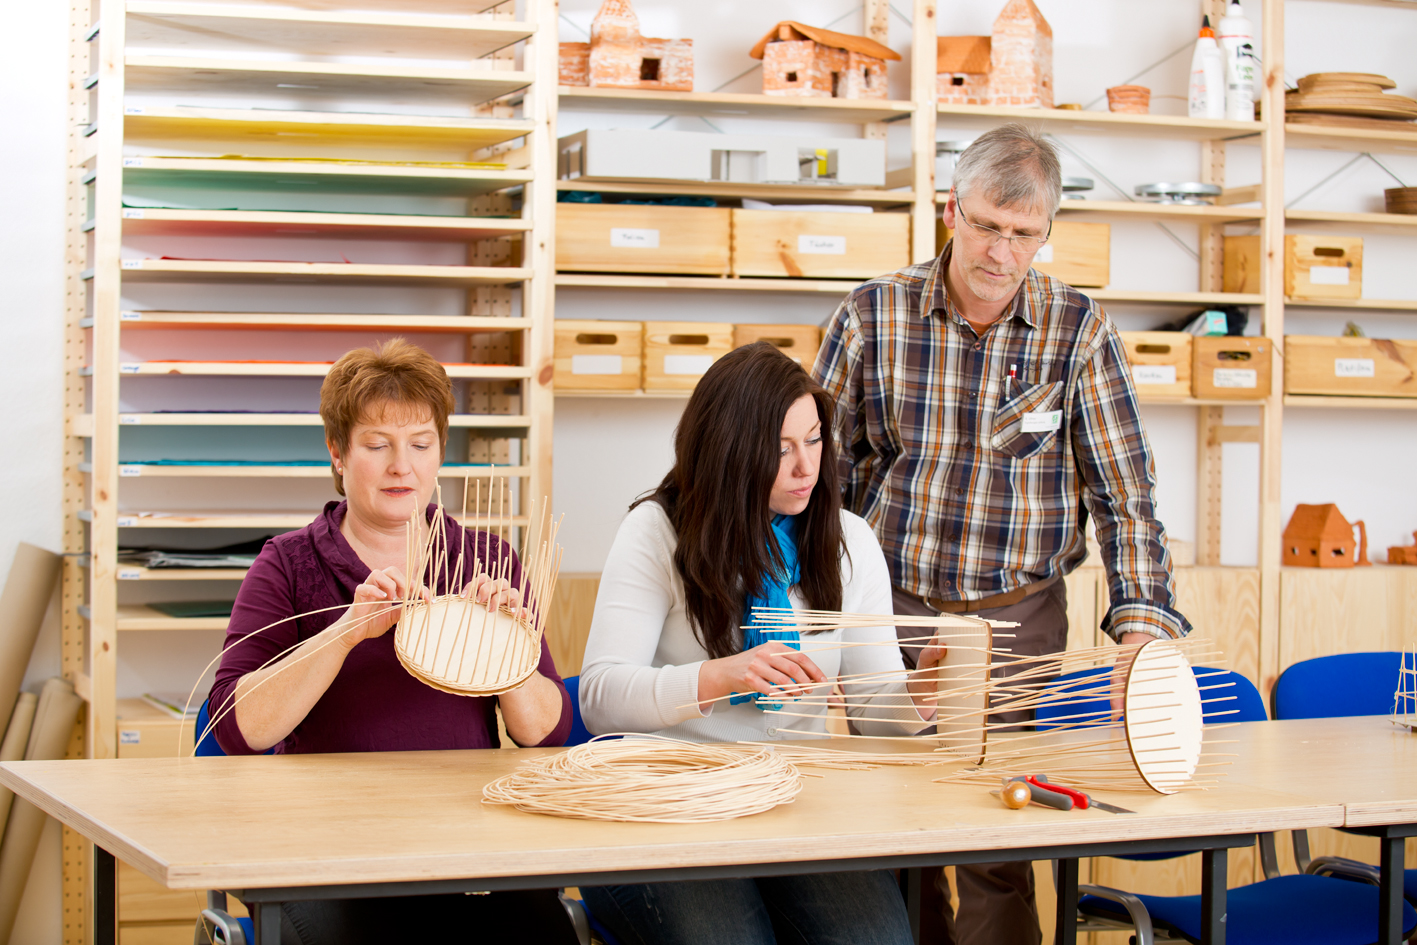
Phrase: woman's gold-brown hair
pixel 366 382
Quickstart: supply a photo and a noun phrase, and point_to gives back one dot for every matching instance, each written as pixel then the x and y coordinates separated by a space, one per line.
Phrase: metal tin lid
pixel 1190 193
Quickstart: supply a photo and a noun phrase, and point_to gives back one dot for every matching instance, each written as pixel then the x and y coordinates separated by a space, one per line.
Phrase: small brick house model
pixel 962 70
pixel 618 57
pixel 1318 536
pixel 1017 57
pixel 804 60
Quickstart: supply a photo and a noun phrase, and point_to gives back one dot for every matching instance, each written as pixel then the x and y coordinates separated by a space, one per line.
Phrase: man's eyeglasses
pixel 990 236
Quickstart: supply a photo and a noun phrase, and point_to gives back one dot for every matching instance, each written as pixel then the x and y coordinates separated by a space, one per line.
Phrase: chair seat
pixel 1409 885
pixel 1288 910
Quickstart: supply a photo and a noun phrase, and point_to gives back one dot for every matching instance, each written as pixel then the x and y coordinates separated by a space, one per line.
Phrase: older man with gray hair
pixel 984 411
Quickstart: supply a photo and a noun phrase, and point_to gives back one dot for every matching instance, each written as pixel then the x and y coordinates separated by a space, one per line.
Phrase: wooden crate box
pixel 799 342
pixel 1079 254
pixel 1160 361
pixel 145 731
pixel 1315 267
pixel 1361 367
pixel 678 353
pixel 1231 368
pixel 601 237
pixel 818 245
pixel 597 355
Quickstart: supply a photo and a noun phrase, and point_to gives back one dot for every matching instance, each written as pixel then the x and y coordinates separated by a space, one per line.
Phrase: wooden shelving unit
pixel 228 105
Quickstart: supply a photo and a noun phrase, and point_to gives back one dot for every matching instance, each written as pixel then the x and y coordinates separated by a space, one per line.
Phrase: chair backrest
pixel 1339 685
pixel 1239 701
pixel 579 733
pixel 208 745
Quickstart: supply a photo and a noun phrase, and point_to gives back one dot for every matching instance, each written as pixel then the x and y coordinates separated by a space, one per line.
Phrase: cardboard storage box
pixel 678 353
pixel 1079 254
pixel 1315 267
pixel 1231 368
pixel 1161 362
pixel 799 342
pixel 819 245
pixel 1361 367
pixel 617 237
pixel 145 731
pixel 594 355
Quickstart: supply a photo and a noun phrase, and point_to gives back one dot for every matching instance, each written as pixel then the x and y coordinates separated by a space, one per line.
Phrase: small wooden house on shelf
pixel 962 70
pixel 618 57
pixel 1403 554
pixel 804 60
pixel 1318 536
pixel 1012 66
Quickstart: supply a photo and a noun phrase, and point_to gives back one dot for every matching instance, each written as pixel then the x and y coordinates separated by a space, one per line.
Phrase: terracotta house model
pixel 618 57
pixel 962 70
pixel 1017 57
pixel 804 60
pixel 1403 554
pixel 1318 536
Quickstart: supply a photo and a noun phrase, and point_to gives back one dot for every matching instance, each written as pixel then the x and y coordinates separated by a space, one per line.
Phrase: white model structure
pixel 740 158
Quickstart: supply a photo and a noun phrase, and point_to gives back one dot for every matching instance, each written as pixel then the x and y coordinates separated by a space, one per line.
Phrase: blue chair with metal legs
pixel 216 926
pixel 1306 909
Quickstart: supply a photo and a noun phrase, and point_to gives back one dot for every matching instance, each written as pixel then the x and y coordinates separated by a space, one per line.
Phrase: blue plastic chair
pixel 215 924
pixel 1306 909
pixel 579 733
pixel 1239 702
pixel 1345 684
pixel 1336 686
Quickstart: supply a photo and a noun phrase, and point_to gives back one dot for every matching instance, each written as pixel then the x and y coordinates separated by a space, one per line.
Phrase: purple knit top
pixel 374 704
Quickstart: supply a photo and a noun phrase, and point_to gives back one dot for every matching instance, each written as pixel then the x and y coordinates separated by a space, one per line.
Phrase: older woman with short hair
pixel 341 687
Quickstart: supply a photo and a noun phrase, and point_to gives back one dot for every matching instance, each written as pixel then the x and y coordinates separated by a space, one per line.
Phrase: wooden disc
pixel 1163 717
pixel 1359 78
pixel 458 646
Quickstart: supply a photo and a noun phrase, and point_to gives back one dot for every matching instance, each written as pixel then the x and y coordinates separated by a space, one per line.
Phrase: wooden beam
pixel 922 129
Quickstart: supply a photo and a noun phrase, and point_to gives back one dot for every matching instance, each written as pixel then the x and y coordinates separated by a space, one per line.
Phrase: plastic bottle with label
pixel 1207 92
pixel 1235 36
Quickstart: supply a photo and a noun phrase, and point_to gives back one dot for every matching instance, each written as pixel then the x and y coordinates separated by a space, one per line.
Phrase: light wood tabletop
pixel 1365 763
pixel 306 820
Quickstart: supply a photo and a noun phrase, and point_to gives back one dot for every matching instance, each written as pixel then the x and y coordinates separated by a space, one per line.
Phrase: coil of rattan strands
pixel 650 779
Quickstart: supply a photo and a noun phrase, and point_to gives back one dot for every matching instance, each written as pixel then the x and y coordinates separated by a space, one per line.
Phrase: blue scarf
pixel 774 594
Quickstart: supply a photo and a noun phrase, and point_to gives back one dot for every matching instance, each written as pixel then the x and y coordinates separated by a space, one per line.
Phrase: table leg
pixel 910 890
pixel 105 897
pixel 265 916
pixel 1390 892
pixel 1214 865
pixel 1066 928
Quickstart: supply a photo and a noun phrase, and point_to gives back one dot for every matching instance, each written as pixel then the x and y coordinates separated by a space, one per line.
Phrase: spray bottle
pixel 1207 98
pixel 1237 42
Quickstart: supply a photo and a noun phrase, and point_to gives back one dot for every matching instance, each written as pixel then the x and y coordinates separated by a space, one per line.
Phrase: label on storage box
pixel 1044 254
pixel 597 364
pixel 821 245
pixel 1154 374
pixel 694 364
pixel 625 237
pixel 1355 367
pixel 1236 377
pixel 1328 275
pixel 130 736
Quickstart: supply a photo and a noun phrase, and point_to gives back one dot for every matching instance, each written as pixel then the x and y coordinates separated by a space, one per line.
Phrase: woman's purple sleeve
pixel 266 597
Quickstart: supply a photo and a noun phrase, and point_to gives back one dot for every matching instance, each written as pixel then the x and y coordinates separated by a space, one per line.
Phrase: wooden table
pixel 273 829
pixel 1366 763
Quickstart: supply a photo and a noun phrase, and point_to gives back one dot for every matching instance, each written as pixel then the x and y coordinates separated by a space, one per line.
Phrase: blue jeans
pixel 815 909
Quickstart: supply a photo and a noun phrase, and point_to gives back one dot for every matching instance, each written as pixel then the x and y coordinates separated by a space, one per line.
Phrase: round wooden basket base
pixel 1163 717
pixel 458 646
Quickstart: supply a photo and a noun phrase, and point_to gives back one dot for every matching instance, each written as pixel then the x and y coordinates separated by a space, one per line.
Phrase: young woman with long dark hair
pixel 750 515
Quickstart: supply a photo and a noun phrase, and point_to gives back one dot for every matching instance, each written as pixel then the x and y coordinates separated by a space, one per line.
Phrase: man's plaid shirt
pixel 952 462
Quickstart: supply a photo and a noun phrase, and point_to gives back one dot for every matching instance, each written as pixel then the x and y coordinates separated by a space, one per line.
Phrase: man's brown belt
pixel 994 601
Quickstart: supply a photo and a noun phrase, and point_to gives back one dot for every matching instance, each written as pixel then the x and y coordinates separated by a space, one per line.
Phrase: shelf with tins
pixel 1112 124
pixel 317 32
pixel 1169 213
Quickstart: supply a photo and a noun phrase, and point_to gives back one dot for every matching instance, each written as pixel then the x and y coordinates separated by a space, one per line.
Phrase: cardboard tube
pixel 54 719
pixel 22 606
pixel 17 737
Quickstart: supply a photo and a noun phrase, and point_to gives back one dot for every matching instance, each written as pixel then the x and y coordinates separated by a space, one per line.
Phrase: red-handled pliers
pixel 1063 798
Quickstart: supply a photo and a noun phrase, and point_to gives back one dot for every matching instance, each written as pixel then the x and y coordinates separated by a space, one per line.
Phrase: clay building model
pixel 618 57
pixel 1012 66
pixel 804 60
pixel 1318 536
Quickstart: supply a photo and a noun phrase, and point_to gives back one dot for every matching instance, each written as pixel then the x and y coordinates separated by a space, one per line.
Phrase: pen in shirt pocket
pixel 1013 378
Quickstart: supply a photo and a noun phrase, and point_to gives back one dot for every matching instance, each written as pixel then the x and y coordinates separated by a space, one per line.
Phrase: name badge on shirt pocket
pixel 1042 421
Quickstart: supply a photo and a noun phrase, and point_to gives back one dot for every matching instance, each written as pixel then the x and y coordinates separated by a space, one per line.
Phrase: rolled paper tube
pixel 13 747
pixel 23 603
pixel 54 720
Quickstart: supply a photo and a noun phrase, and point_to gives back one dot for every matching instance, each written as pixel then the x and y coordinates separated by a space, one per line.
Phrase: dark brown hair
pixel 726 459
pixel 369 379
